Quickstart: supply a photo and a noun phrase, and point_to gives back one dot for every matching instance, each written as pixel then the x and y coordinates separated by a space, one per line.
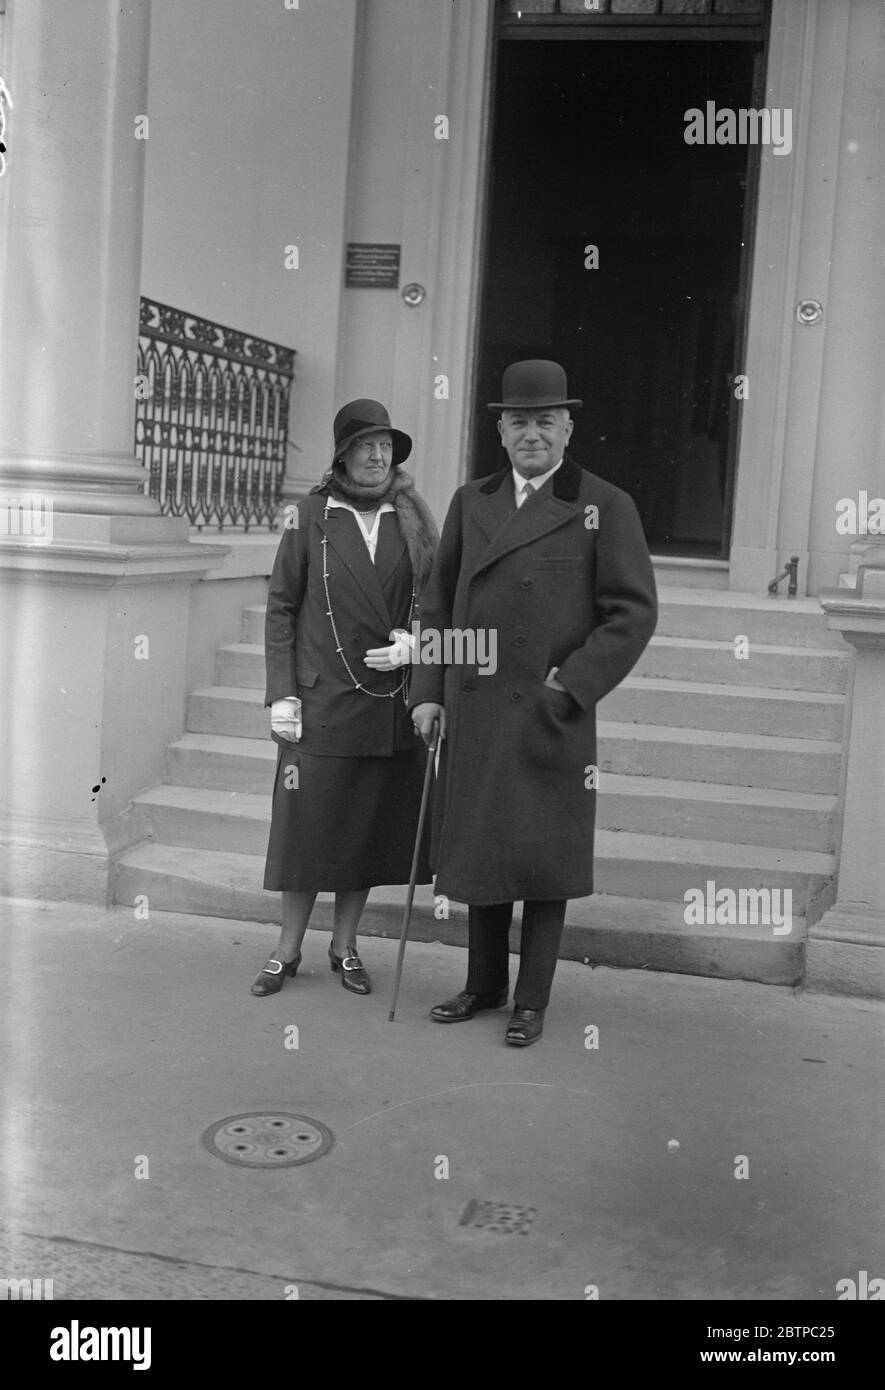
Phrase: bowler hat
pixel 365 417
pixel 534 385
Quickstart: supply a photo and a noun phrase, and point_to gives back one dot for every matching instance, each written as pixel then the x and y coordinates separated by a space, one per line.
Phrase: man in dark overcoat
pixel 549 563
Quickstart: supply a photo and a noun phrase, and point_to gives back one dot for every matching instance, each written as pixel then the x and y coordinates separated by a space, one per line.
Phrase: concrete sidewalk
pixel 614 1166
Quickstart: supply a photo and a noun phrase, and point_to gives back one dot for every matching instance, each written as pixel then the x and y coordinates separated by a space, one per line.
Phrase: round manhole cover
pixel 271 1140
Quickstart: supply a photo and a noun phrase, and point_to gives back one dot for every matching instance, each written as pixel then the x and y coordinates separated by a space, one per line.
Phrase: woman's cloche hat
pixel 534 385
pixel 358 418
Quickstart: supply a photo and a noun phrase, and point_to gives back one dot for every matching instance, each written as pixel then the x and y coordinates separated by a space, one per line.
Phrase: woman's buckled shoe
pixel 271 978
pixel 354 975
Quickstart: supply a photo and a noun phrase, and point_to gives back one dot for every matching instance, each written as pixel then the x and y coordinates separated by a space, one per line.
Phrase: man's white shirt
pixel 519 482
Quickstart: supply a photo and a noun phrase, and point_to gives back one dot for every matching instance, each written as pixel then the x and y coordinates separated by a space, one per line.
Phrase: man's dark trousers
pixel 488 966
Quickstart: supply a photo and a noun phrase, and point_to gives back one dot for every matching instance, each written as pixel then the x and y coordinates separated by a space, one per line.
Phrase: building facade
pixel 526 170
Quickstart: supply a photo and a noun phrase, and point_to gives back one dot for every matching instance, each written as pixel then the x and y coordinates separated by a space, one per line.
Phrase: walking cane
pixel 425 796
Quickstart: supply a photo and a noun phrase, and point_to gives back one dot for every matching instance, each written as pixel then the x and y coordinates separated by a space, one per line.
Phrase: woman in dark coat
pixel 344 593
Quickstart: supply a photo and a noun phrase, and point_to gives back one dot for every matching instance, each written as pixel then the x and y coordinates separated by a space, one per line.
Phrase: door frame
pixel 774 473
pixel 647 28
pixel 774 490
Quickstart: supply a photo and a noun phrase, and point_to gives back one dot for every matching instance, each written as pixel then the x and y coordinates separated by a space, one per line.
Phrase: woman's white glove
pixel 285 718
pixel 398 654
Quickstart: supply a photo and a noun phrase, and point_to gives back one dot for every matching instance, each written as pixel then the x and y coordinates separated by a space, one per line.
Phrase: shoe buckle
pixel 279 970
pixel 351 963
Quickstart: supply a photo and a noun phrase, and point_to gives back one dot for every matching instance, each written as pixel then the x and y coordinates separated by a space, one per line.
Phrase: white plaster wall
pixel 216 619
pixel 418 59
pixel 97 717
pixel 382 179
pixel 249 112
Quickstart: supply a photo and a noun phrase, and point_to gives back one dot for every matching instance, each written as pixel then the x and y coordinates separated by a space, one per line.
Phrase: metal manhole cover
pixel 504 1217
pixel 277 1140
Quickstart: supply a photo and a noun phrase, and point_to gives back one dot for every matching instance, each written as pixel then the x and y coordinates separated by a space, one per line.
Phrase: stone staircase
pixel 712 768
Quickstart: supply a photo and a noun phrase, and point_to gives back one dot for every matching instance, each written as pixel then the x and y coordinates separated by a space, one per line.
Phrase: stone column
pixel 791 261
pixel 845 952
pixel 93 581
pixel 70 255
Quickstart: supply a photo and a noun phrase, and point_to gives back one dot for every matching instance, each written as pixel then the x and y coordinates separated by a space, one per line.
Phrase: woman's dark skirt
pixel 345 824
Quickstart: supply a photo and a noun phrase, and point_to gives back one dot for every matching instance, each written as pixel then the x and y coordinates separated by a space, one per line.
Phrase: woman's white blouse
pixel 370 533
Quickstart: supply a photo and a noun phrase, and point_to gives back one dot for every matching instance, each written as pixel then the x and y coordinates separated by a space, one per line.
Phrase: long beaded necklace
pixel 388 694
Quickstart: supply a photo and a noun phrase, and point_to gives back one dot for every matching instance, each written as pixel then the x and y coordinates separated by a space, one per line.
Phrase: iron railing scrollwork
pixel 212 414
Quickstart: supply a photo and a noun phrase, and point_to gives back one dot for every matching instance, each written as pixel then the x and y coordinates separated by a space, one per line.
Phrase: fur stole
pixel 415 519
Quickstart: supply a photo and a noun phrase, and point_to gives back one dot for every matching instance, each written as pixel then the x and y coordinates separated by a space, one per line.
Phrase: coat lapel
pixel 342 529
pixel 390 548
pixel 495 503
pixel 518 526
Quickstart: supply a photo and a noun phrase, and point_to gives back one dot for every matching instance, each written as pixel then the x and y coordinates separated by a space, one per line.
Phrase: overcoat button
pixel 525 583
pixel 517 695
pixel 519 641
pixel 467 687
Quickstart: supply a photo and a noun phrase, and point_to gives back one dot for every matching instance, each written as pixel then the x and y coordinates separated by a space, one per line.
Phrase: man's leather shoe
pixel 465 1005
pixel 525 1027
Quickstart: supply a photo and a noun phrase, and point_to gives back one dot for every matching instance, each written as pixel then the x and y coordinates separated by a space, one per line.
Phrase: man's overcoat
pixel 566 580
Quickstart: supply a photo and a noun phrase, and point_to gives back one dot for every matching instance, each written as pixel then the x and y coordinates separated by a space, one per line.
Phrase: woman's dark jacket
pixel 367 600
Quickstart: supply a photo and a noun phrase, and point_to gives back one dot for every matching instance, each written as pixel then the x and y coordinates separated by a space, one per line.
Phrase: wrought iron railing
pixel 212 414
pixel 790 572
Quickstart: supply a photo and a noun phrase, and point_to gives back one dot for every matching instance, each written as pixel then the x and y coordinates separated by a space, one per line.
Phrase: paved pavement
pixel 570 1168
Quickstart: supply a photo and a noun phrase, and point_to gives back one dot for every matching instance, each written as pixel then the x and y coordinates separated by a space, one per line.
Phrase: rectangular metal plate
pixel 371 266
pixel 504 1218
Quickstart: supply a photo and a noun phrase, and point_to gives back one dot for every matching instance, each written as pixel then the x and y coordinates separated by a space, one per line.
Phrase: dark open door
pixel 588 150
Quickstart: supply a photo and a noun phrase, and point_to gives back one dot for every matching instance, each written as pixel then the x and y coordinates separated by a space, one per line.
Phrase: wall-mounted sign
pixel 371 266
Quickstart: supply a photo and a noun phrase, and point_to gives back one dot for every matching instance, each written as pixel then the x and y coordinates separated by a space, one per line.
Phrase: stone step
pixel 674 571
pixel 648 805
pixel 699 705
pixel 772 667
pixel 670 658
pixel 252 631
pixel 708 615
pixel 222 762
pixel 719 617
pixel 631 933
pixel 742 760
pixel 228 710
pixel 240 664
pixel 708 811
pixel 636 750
pixel 728 708
pixel 628 864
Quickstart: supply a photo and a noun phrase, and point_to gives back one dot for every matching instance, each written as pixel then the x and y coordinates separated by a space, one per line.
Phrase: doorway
pixel 588 151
